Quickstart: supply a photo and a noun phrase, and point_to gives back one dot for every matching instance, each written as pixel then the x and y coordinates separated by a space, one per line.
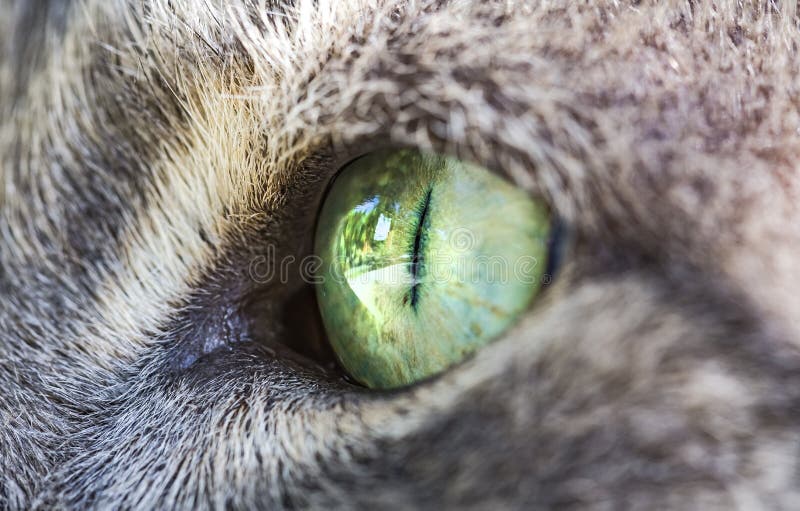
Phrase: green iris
pixel 425 259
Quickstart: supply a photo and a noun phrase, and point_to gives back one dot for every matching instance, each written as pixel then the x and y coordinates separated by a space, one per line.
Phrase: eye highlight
pixel 425 259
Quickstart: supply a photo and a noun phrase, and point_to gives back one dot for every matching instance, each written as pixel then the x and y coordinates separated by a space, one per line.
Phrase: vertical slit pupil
pixel 416 254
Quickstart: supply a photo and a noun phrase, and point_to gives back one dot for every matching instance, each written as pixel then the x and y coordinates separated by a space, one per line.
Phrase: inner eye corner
pixel 303 330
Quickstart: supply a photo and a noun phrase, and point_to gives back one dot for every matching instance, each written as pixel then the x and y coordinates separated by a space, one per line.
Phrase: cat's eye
pixel 425 259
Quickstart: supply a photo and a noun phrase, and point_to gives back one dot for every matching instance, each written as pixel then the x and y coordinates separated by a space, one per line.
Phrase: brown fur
pixel 150 151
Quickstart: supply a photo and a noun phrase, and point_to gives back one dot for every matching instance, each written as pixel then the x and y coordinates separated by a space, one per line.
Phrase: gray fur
pixel 150 151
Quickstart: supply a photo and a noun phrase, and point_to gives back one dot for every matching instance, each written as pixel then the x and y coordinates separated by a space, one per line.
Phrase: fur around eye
pixel 163 165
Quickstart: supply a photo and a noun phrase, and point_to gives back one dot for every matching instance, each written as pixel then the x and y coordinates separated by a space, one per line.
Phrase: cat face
pixel 156 154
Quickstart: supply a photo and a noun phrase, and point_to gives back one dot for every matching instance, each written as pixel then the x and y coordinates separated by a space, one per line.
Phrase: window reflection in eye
pixel 425 259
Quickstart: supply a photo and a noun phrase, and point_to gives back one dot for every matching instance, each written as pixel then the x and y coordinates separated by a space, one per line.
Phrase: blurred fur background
pixel 150 150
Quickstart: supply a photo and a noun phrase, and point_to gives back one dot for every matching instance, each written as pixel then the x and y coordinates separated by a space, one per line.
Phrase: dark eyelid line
pixel 556 249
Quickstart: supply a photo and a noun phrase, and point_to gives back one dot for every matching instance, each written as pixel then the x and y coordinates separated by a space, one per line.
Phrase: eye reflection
pixel 426 258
